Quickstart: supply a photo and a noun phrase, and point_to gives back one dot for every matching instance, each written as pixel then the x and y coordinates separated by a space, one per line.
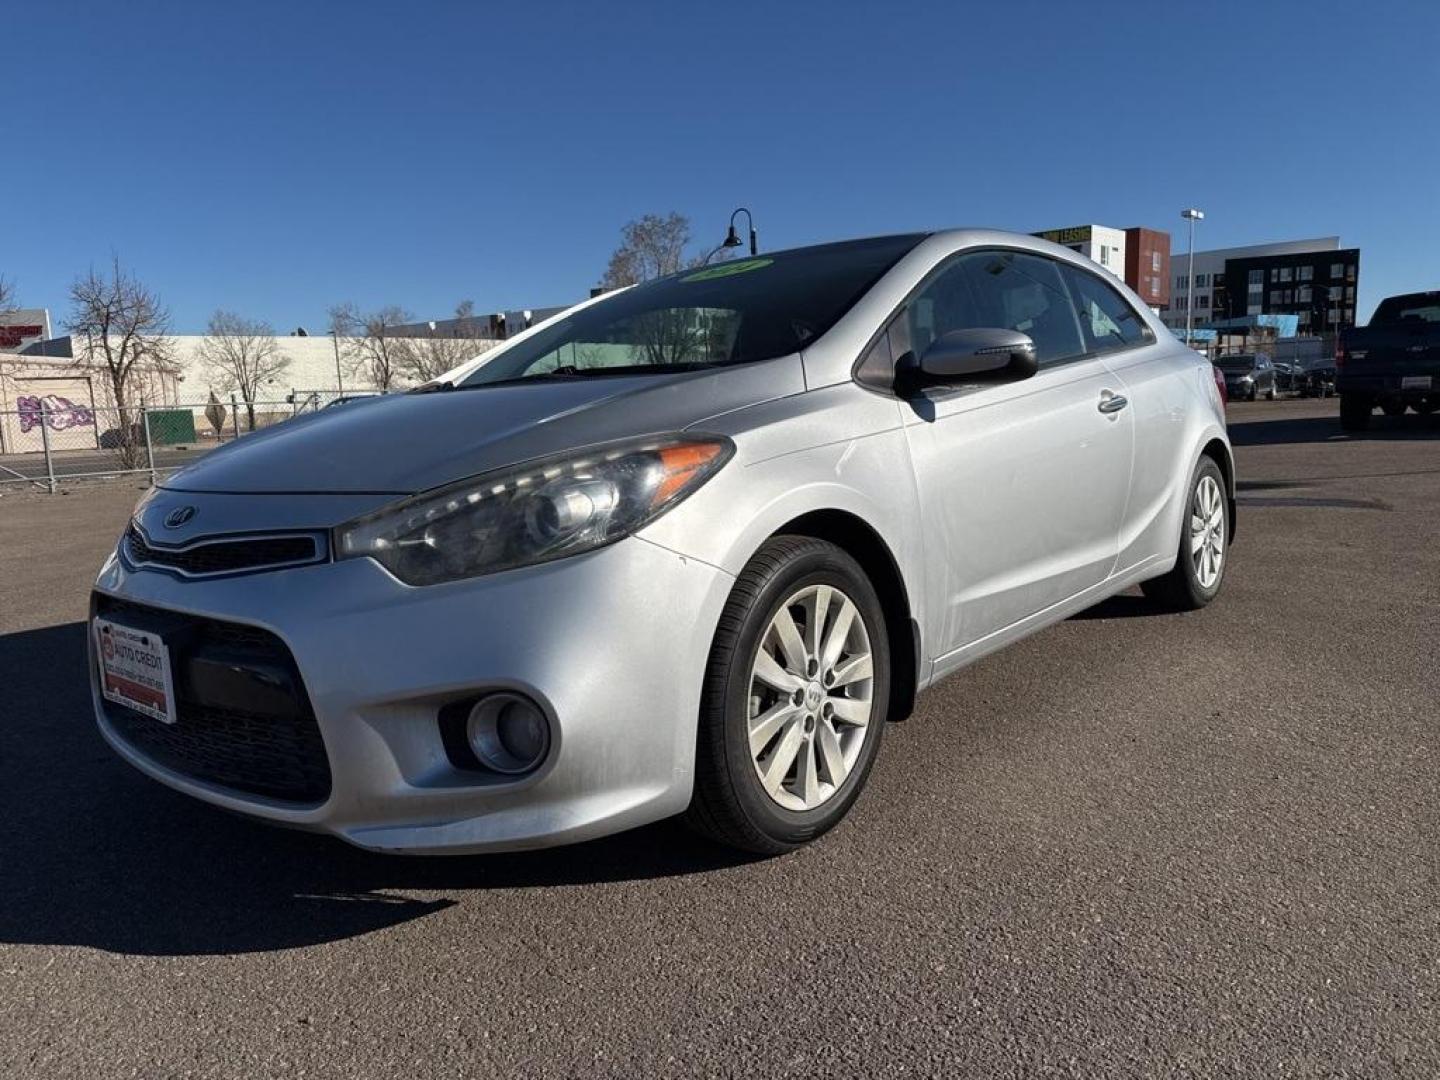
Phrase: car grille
pixel 232 744
pixel 234 556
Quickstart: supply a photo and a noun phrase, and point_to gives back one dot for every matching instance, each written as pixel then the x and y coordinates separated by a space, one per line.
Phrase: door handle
pixel 1111 402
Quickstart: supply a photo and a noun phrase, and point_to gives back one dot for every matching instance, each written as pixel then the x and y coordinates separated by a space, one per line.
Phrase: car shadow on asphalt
pixel 96 854
pixel 1318 429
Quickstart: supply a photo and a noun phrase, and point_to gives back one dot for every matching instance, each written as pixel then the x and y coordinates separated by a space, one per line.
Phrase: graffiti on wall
pixel 59 413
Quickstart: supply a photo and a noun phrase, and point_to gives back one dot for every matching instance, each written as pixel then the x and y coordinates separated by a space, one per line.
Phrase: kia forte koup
pixel 686 548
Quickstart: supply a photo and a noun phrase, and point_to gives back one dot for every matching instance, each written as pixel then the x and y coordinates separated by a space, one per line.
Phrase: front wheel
pixel 1393 408
pixel 794 701
pixel 1355 412
pixel 1200 563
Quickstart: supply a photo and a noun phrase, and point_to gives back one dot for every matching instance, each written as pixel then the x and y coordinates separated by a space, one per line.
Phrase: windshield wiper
pixel 569 372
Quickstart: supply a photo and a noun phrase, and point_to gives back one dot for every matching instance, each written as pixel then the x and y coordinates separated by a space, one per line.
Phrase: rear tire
pixel 1355 412
pixel 789 603
pixel 1203 555
pixel 1393 408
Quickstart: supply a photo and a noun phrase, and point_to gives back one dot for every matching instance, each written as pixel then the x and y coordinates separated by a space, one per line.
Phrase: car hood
pixel 406 443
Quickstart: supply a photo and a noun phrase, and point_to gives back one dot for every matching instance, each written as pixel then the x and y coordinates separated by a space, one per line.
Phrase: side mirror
pixel 980 354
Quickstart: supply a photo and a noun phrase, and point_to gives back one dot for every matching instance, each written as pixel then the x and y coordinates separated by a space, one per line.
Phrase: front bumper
pixel 612 645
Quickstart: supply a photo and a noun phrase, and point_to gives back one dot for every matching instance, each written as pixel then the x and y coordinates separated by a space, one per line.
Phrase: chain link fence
pixel 49 441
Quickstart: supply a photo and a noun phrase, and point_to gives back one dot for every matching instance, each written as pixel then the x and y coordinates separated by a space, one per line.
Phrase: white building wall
pixel 311 366
pixel 1100 243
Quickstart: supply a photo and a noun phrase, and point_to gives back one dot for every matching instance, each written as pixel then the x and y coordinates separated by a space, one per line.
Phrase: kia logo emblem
pixel 179 516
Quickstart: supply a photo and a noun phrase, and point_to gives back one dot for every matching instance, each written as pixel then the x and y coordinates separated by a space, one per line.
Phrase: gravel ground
pixel 1134 845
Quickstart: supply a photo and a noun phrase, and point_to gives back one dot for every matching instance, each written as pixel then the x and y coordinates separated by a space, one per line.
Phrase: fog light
pixel 507 733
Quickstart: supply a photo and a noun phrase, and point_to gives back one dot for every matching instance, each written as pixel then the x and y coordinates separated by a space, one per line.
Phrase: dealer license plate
pixel 135 669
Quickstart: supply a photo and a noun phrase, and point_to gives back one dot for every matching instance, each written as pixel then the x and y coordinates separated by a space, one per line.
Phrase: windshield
pixel 1235 363
pixel 729 313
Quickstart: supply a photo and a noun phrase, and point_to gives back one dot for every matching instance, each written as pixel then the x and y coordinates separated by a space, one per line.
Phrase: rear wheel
pixel 1355 412
pixel 1424 406
pixel 1200 564
pixel 1393 408
pixel 794 700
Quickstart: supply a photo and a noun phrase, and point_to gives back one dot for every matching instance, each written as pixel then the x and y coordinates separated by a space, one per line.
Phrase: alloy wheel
pixel 1207 532
pixel 810 700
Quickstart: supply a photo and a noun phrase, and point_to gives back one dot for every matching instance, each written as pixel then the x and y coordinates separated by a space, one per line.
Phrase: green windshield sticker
pixel 726 269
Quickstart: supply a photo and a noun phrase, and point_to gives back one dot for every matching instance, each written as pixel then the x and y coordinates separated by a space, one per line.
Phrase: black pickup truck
pixel 1393 362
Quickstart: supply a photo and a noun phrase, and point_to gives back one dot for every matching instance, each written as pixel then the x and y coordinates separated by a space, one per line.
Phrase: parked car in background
pixel 1289 375
pixel 1317 378
pixel 1393 362
pixel 684 548
pixel 1248 375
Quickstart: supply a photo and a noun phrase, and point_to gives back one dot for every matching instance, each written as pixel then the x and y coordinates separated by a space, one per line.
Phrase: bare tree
pixel 466 325
pixel 7 295
pixel 243 355
pixel 344 319
pixel 375 355
pixel 649 248
pixel 424 358
pixel 122 323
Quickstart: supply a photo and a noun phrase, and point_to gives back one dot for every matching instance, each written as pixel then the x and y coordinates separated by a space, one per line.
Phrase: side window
pixel 1025 292
pixel 943 305
pixel 1106 319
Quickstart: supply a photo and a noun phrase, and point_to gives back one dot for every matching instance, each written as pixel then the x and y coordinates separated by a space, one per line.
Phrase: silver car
pixel 686 548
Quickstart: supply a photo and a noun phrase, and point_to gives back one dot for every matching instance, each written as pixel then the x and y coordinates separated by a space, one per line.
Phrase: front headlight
pixel 532 513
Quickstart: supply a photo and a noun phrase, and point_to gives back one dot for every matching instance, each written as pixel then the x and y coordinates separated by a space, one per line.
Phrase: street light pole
pixel 1192 215
pixel 339 382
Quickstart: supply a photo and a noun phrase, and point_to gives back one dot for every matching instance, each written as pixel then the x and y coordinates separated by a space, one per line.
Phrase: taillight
pixel 1339 352
pixel 1219 384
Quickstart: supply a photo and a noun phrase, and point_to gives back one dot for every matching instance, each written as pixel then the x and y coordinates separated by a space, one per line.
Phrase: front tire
pixel 794 701
pixel 1355 412
pixel 1200 563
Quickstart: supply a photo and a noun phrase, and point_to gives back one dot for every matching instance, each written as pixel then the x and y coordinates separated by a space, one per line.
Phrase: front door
pixel 1022 485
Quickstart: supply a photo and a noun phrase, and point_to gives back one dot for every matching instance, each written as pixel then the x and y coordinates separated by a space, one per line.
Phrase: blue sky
pixel 275 158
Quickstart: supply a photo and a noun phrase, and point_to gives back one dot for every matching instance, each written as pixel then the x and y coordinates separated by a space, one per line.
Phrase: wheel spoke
pixel 791 643
pixel 1197 541
pixel 851 710
pixel 830 752
pixel 835 642
pixel 764 726
pixel 853 670
pixel 807 779
pixel 782 757
pixel 769 672
pixel 817 610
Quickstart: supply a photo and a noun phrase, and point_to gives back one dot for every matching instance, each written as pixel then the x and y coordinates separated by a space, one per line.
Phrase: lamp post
pixel 339 382
pixel 1191 215
pixel 732 238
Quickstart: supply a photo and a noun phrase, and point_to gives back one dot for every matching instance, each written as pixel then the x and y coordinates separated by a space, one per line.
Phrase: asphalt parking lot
pixel 1134 845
